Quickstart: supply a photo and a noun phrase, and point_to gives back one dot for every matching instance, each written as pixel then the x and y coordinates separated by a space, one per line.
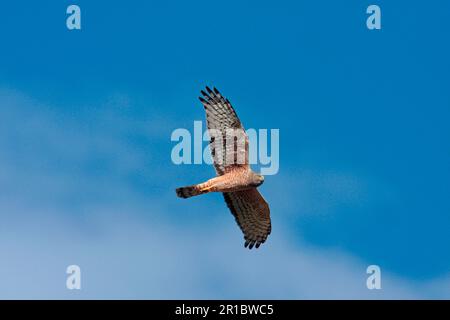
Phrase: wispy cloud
pixel 83 191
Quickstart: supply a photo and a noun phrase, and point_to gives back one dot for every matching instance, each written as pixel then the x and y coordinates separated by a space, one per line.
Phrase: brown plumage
pixel 235 179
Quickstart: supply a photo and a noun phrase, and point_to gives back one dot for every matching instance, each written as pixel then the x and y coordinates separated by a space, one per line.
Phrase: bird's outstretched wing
pixel 228 140
pixel 252 215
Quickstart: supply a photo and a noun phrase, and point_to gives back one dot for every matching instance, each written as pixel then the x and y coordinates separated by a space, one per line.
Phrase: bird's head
pixel 258 180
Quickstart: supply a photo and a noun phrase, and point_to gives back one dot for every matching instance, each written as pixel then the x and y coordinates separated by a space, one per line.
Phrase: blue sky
pixel 85 170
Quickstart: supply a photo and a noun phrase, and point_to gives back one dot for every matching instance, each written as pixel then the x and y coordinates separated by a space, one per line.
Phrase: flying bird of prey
pixel 235 179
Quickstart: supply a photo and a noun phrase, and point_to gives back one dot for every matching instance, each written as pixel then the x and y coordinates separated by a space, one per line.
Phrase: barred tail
pixel 187 192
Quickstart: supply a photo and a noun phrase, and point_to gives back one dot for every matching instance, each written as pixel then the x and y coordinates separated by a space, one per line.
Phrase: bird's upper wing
pixel 252 215
pixel 229 142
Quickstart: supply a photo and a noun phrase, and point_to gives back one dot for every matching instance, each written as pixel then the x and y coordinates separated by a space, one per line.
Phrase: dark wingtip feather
pixel 208 89
pixel 215 90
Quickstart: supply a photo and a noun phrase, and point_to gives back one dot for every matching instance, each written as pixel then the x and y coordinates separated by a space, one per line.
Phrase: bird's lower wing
pixel 252 215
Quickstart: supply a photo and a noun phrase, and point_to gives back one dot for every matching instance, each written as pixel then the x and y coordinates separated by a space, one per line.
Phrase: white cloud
pixel 57 211
pixel 123 256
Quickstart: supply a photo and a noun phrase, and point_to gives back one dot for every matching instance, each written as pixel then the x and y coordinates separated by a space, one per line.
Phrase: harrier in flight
pixel 235 179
